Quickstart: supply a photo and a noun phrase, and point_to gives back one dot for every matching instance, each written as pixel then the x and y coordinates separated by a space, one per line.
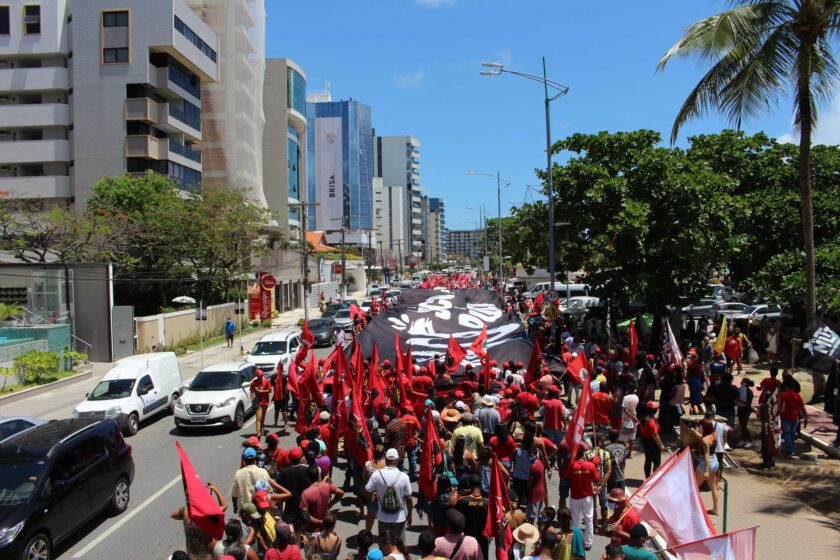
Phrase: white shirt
pixel 630 403
pixel 721 429
pixel 379 482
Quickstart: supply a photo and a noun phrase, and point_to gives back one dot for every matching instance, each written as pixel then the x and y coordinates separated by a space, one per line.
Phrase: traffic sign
pixel 268 281
pixel 552 296
pixel 552 313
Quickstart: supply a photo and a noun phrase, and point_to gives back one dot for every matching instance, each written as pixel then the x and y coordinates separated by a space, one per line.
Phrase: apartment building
pixel 397 161
pixel 464 245
pixel 436 231
pixel 390 205
pixel 93 88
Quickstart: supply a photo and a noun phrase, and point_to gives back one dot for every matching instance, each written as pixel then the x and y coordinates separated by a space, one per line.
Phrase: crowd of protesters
pixel 433 434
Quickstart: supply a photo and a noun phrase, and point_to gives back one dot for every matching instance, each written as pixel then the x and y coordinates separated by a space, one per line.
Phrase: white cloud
pixel 827 131
pixel 410 80
pixel 434 3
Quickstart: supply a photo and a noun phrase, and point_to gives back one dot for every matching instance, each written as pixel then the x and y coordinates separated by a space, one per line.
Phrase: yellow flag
pixel 720 341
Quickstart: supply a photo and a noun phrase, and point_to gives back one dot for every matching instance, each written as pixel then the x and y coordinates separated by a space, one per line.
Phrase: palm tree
pixel 757 50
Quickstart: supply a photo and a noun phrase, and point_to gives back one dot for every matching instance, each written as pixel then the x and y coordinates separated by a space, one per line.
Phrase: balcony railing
pixel 181 116
pixel 184 151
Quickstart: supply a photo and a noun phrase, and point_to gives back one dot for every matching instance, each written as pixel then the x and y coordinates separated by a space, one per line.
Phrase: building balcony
pixel 416 221
pixel 173 118
pixel 34 151
pixel 33 79
pixel 142 109
pixel 184 151
pixel 34 115
pixel 146 146
pixel 175 82
pixel 36 187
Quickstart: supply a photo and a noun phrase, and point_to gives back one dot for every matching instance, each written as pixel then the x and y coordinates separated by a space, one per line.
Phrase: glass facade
pixel 296 91
pixel 357 156
pixel 294 171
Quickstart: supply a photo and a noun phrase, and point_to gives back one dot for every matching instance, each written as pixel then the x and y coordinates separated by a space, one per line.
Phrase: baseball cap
pixel 295 454
pixel 250 454
pixel 435 414
pixel 324 416
pixel 259 373
pixel 252 441
pixel 652 405
pixel 460 405
pixel 374 554
pixel 250 510
pixel 273 437
pixel 392 454
pixel 261 499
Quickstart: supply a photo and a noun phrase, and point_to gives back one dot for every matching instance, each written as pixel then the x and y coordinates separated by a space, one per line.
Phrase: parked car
pixel 571 289
pixel 724 293
pixel 272 349
pixel 343 320
pixel 137 388
pixel 11 425
pixel 578 303
pixel 332 308
pixel 761 311
pixel 730 308
pixel 57 476
pixel 219 395
pixel 706 306
pixel 366 307
pixel 323 330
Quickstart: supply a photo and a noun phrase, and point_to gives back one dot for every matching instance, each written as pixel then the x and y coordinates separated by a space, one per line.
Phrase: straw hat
pixel 526 534
pixel 450 415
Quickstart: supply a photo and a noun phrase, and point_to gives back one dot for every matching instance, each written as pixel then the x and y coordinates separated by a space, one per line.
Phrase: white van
pixel 571 289
pixel 135 389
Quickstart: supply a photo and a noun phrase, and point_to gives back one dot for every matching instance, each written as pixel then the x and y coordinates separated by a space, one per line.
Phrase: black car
pixel 56 477
pixel 323 330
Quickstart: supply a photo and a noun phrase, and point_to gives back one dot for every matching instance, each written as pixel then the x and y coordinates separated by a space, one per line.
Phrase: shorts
pixel 627 434
pixel 532 510
pixel 714 465
pixel 602 497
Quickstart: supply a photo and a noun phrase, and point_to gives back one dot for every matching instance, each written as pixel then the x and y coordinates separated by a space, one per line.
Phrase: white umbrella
pixel 183 299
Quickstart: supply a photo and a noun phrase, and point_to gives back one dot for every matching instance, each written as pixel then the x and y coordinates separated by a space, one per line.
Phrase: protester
pixel 584 485
pixel 651 443
pixel 393 490
pixel 455 545
pixel 261 391
pixel 792 411
pixel 198 543
pixel 635 549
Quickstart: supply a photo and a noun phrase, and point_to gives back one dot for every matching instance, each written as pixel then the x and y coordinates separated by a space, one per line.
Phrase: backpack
pixel 391 502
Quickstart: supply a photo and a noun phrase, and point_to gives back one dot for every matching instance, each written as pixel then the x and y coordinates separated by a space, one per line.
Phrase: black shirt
pixel 294 480
pixel 475 515
pixel 726 396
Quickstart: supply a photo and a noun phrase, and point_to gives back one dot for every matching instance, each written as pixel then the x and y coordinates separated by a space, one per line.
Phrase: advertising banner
pixel 329 173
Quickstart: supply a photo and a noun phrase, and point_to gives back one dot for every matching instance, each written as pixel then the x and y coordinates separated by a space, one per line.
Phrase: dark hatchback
pixel 323 330
pixel 56 477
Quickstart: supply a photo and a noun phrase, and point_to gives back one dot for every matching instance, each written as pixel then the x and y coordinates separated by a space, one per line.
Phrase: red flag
pixel 454 355
pixel 408 365
pixel 498 504
pixel 356 436
pixel 300 355
pixel 634 344
pixel 292 382
pixel 574 433
pixel 378 389
pixel 306 337
pixel 202 508
pixel 479 345
pixel 737 545
pixel 431 455
pixel 374 308
pixel 398 355
pixel 310 396
pixel 538 303
pixel 534 364
pixel 338 419
pixel 578 368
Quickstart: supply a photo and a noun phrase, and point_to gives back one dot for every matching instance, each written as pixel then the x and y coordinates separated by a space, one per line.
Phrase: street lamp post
pixel 497 70
pixel 499 188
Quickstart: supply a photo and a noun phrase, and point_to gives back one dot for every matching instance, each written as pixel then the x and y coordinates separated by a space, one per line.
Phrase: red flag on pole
pixel 306 337
pixel 202 508
pixel 431 456
pixel 574 433
pixel 408 365
pixel 292 381
pixel 310 396
pixel 479 345
pixel 498 504
pixel 485 371
pixel 578 368
pixel 634 344
pixel 398 355
pixel 538 303
pixel 454 355
pixel 338 419
pixel 356 436
pixel 534 364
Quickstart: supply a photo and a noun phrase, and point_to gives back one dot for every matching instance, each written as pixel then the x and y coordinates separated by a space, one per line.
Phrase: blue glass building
pixel 357 161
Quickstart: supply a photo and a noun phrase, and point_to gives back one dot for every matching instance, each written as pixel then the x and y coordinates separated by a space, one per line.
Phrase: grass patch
pixel 221 338
pixel 43 381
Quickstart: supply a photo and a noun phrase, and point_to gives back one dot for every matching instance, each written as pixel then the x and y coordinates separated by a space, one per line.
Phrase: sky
pixel 417 62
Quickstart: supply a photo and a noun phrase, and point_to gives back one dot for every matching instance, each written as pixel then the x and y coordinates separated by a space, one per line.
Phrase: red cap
pixel 650 357
pixel 519 364
pixel 304 443
pixel 273 437
pixel 386 363
pixel 295 454
pixel 252 441
pixel 424 369
pixel 261 499
pixel 468 366
pixel 459 394
pixel 554 389
pixel 514 389
pixel 260 373
pixel 652 405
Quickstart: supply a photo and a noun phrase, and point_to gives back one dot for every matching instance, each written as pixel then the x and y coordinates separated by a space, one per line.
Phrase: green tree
pixel 757 49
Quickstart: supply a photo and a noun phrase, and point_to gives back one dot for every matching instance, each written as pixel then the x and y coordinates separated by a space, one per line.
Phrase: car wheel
pixel 38 547
pixel 132 424
pixel 120 496
pixel 239 417
pixel 172 400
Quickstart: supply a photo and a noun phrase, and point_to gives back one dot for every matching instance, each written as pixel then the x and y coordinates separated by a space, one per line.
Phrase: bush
pixel 36 365
pixel 75 358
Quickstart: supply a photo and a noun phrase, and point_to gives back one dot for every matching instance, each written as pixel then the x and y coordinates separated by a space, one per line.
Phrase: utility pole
pixel 304 256
pixel 499 202
pixel 368 259
pixel 344 220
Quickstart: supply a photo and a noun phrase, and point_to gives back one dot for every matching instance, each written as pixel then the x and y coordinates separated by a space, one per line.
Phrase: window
pixel 5 24
pixel 115 19
pixel 110 56
pixel 190 35
pixel 32 20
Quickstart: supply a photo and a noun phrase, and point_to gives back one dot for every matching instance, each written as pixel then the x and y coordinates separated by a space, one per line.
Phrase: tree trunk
pixel 806 123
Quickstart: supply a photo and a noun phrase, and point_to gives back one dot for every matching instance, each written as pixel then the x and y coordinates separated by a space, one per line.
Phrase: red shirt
pixel 422 383
pixel 601 407
pixel 413 426
pixel 627 522
pixel 732 348
pixel 503 450
pixel 789 404
pixel 536 482
pixel 262 383
pixel 649 428
pixel 316 500
pixel 554 414
pixel 278 384
pixel 529 402
pixel 291 552
pixel 769 384
pixel 582 475
pixel 325 430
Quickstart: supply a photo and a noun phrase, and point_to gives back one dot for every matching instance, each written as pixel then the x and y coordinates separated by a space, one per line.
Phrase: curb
pixel 820 444
pixel 14 397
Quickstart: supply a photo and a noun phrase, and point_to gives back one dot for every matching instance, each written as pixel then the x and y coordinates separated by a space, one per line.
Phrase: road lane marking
pixel 126 518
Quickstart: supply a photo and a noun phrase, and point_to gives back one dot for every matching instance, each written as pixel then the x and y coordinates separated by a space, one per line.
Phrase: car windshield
pixel 215 381
pixel 319 324
pixel 113 389
pixel 19 476
pixel 343 314
pixel 269 347
pixel 752 308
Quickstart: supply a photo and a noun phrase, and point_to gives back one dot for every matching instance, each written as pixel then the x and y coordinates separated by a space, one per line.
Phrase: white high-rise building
pixel 93 88
pixel 233 117
pixel 397 161
pixel 389 208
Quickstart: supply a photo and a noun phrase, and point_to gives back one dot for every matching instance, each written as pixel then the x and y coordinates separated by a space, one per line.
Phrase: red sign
pixel 265 297
pixel 268 281
pixel 338 268
pixel 255 307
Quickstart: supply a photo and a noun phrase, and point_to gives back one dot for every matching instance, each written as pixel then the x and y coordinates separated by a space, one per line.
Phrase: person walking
pixel 393 491
pixel 745 399
pixel 199 544
pixel 651 442
pixel 584 479
pixel 261 391
pixel 245 479
pixel 455 545
pixel 316 499
pixel 792 411
pixel 474 508
pixel 230 329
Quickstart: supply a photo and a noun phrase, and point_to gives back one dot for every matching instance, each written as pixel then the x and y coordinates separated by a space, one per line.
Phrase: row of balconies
pixel 147 146
pixel 163 115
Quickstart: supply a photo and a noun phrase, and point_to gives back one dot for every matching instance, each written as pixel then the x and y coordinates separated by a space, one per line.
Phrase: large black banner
pixel 820 349
pixel 426 318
